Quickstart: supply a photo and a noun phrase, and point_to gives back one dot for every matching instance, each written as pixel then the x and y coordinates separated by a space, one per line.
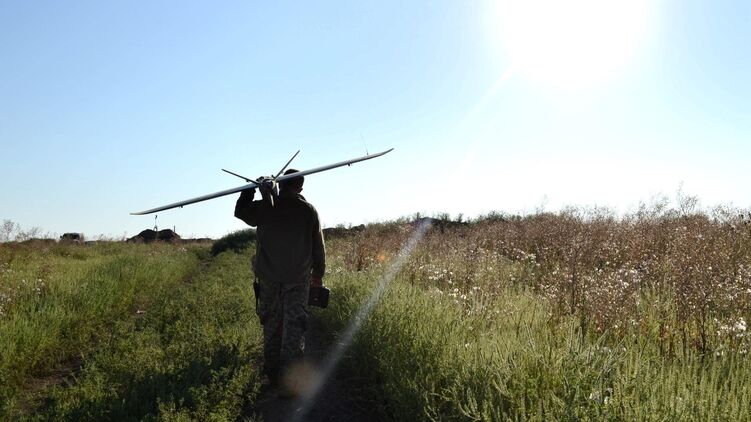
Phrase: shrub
pixel 237 242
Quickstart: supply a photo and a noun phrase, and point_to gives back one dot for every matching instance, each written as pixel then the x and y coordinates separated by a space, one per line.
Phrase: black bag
pixel 318 296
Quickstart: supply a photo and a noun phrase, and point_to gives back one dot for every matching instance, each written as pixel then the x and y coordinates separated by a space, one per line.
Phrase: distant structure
pixel 148 236
pixel 72 237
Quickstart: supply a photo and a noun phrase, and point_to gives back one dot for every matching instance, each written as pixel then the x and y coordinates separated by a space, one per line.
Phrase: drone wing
pixel 197 199
pixel 331 166
pixel 253 185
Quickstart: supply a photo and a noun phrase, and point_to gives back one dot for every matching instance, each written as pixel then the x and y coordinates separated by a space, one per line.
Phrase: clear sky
pixel 109 107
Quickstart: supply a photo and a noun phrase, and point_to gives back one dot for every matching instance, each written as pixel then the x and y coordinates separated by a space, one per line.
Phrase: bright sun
pixel 571 44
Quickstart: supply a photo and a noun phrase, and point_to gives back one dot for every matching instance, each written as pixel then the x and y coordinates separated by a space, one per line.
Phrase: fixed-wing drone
pixel 269 184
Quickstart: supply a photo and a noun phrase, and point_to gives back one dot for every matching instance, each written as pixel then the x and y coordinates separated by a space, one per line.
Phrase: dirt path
pixel 340 398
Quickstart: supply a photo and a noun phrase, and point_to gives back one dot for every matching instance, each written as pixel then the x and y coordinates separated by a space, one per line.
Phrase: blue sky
pixel 112 107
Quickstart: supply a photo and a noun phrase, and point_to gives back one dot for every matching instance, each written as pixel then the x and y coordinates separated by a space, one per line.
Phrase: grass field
pixel 123 331
pixel 575 316
pixel 579 315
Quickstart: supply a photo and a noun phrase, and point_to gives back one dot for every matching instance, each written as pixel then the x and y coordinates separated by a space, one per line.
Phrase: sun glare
pixel 572 44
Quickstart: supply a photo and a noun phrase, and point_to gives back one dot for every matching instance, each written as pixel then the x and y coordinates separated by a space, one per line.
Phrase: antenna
pixel 364 144
pixel 285 166
pixel 235 174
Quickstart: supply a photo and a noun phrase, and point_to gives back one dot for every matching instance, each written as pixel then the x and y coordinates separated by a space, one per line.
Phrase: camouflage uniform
pixel 290 249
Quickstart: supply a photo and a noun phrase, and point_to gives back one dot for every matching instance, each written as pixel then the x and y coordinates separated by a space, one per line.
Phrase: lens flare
pixel 308 382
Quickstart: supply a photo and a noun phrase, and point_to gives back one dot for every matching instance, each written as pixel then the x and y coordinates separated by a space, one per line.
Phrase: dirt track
pixel 341 397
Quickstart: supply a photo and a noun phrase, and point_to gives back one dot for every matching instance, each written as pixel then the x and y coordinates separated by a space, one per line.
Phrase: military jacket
pixel 290 242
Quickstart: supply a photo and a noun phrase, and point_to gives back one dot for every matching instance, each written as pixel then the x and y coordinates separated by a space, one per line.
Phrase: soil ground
pixel 341 397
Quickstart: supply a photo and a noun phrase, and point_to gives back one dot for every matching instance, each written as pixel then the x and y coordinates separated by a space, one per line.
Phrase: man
pixel 290 257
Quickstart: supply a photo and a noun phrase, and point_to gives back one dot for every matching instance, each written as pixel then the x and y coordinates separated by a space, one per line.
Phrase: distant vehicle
pixel 72 237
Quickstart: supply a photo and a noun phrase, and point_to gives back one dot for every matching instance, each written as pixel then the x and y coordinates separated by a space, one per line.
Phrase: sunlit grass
pixel 59 301
pixel 431 359
pixel 579 315
pixel 193 356
pixel 125 331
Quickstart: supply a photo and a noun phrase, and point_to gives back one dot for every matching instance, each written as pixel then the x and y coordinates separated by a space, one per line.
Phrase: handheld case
pixel 318 296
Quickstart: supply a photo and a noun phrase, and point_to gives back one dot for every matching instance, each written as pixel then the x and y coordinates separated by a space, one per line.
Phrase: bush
pixel 237 242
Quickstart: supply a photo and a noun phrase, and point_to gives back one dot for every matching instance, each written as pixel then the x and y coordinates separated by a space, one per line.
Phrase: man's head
pixel 293 185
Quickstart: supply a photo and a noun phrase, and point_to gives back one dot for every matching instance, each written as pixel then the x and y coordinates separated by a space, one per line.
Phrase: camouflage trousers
pixel 283 310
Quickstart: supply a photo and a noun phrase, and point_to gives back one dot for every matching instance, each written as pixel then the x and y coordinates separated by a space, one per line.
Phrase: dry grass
pixel 579 315
pixel 682 279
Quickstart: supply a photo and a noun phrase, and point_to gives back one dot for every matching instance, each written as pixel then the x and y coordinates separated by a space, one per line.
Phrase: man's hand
pixel 248 194
pixel 266 185
pixel 315 281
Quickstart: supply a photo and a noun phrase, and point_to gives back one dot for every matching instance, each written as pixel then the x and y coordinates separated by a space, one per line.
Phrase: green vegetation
pixel 572 316
pixel 430 359
pixel 125 331
pixel 236 242
pixel 58 301
pixel 191 357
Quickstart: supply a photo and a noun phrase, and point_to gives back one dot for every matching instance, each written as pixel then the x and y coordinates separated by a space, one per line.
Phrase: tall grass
pixel 116 331
pixel 579 315
pixel 569 316
pixel 688 273
pixel 192 356
pixel 433 360
pixel 59 301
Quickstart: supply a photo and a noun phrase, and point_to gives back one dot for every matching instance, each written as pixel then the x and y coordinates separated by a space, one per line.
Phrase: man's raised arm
pixel 246 209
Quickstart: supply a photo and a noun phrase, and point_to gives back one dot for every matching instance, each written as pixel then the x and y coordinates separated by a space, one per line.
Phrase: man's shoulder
pixel 302 198
pixel 308 205
pixel 301 202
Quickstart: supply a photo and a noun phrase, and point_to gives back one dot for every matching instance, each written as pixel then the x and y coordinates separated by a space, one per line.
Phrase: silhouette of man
pixel 290 257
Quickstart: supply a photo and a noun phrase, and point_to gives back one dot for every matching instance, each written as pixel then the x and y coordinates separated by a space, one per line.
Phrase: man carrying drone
pixel 290 258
